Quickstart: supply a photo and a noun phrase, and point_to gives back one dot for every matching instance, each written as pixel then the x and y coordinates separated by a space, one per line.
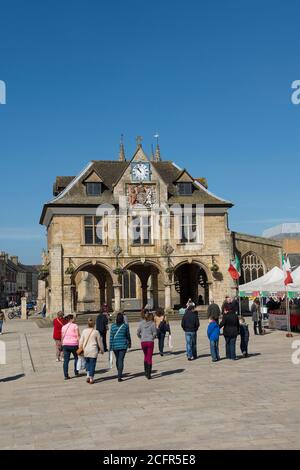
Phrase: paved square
pixel 248 404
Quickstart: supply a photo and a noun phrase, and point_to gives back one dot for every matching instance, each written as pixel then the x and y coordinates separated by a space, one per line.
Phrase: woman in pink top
pixel 70 337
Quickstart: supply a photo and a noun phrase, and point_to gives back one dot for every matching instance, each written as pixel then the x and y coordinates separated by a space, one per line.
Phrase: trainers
pixel 190 358
pixel 67 378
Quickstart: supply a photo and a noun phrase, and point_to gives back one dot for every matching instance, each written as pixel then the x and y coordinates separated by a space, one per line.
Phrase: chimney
pixel 15 260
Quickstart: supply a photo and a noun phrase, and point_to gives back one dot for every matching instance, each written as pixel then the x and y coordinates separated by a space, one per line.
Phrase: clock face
pixel 140 172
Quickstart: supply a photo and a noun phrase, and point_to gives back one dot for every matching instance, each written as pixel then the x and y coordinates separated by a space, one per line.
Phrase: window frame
pixel 142 226
pixel 93 227
pixel 185 185
pixel 189 225
pixel 93 184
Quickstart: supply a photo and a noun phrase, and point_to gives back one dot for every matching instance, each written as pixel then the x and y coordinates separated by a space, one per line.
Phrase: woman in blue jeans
pixel 120 341
pixel 91 343
pixel 231 325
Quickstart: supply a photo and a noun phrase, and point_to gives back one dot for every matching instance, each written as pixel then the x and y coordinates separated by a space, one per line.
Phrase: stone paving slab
pixel 247 404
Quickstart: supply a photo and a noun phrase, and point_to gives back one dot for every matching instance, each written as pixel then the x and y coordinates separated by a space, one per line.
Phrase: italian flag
pixel 287 271
pixel 235 268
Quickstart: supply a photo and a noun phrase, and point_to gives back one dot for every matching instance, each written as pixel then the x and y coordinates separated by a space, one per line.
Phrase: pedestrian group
pixel 85 347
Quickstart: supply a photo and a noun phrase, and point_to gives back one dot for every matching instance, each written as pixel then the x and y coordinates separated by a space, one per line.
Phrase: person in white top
pixel 91 343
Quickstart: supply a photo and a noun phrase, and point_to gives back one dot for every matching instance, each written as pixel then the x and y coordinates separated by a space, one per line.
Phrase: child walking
pixel 244 332
pixel 213 334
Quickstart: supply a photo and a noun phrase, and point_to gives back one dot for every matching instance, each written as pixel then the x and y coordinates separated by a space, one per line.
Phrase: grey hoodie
pixel 146 331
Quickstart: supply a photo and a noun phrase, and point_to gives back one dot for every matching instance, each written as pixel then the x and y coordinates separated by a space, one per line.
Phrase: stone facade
pixel 182 249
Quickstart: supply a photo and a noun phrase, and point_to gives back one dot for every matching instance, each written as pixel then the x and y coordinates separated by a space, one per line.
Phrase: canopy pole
pixel 288 317
pixel 238 292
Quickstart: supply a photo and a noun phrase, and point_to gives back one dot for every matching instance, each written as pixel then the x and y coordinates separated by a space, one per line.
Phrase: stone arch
pixel 148 273
pixel 192 279
pixel 252 267
pixel 94 283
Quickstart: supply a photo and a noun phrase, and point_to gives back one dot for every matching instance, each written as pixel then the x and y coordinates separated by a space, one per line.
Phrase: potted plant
pixel 170 270
pixel 214 268
pixel 70 270
pixel 44 272
pixel 119 271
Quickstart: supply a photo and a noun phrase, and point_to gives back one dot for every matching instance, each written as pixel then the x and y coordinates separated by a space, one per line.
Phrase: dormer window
pixel 93 189
pixel 185 189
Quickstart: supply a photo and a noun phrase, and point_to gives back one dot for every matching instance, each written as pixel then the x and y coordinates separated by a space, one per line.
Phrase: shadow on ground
pixel 12 378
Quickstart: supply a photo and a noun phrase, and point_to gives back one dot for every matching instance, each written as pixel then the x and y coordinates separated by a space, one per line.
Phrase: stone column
pixel 41 300
pixel 24 308
pixel 68 294
pixel 168 297
pixel 118 293
pixel 56 271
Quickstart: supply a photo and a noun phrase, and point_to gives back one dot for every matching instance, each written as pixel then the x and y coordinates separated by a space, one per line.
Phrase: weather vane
pixel 139 140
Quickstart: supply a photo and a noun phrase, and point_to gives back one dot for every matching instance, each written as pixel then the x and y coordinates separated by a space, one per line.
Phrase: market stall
pixel 272 285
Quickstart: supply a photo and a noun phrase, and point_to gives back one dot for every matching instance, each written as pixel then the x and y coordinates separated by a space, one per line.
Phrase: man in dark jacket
pixel 190 324
pixel 214 311
pixel 102 327
pixel 231 325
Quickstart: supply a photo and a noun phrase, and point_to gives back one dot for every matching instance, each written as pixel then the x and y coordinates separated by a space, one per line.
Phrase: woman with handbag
pixel 89 346
pixel 70 337
pixel 120 341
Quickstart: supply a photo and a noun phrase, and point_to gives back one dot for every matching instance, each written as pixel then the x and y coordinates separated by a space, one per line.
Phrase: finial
pixel 157 151
pixel 122 151
pixel 139 140
pixel 152 153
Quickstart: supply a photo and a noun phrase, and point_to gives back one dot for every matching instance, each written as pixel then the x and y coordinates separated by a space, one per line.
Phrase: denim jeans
pixel 191 344
pixel 161 341
pixel 90 365
pixel 244 346
pixel 214 350
pixel 1 325
pixel 68 350
pixel 120 355
pixel 230 347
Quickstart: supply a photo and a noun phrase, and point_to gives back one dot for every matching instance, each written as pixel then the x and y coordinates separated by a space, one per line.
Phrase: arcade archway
pixel 191 282
pixel 92 287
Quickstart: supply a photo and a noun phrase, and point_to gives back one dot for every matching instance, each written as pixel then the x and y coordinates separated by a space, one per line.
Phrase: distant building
pixel 16 280
pixel 289 235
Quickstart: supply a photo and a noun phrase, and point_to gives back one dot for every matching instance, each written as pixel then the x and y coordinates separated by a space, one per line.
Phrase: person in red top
pixel 58 323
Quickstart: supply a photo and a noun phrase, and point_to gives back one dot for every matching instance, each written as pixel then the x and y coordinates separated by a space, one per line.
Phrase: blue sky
pixel 212 77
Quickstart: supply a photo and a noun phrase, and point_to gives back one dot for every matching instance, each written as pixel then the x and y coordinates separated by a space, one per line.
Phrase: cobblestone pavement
pixel 247 404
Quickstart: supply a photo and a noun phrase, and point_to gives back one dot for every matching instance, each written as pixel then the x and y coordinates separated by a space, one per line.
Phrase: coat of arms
pixel 141 195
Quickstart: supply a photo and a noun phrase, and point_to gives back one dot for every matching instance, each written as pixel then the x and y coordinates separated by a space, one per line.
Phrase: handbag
pixel 81 350
pixel 170 343
pixel 110 360
pixel 80 363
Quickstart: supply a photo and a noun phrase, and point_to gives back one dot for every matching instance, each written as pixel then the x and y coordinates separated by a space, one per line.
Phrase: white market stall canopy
pixel 272 281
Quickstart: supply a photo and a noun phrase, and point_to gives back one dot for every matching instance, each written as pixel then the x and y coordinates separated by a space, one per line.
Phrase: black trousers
pixel 255 325
pixel 103 336
pixel 161 341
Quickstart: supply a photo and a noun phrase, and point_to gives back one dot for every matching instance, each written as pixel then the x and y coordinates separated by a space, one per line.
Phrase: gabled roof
pixel 72 191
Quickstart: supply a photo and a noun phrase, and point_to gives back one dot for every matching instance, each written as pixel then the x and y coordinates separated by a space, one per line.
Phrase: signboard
pixel 277 322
